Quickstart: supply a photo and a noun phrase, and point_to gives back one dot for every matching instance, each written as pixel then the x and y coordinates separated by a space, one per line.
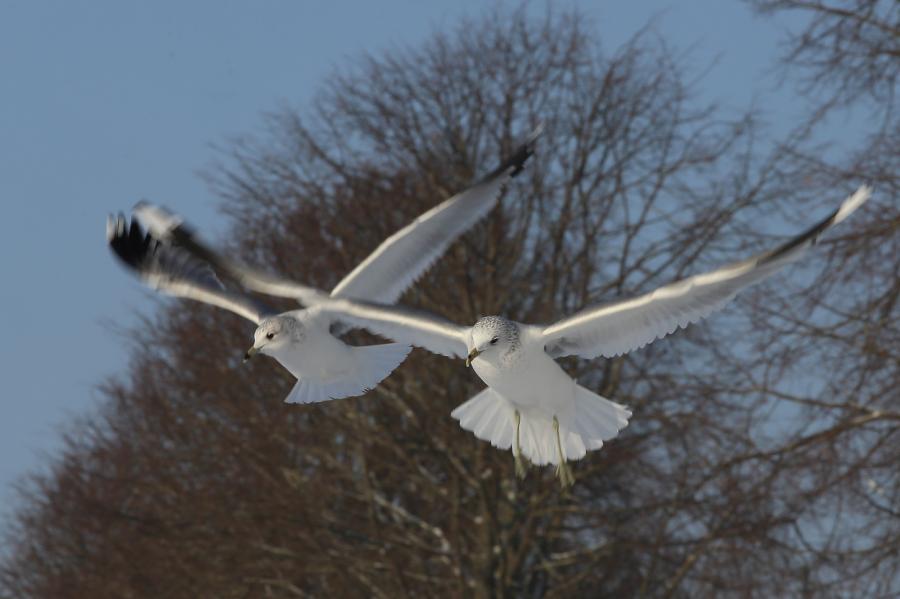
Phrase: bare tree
pixel 847 49
pixel 757 438
pixel 844 331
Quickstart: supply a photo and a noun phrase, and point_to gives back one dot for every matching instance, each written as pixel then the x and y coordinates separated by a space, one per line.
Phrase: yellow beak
pixel 472 355
pixel 250 353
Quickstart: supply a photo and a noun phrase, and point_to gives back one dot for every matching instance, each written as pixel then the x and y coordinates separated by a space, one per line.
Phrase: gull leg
pixel 563 472
pixel 521 461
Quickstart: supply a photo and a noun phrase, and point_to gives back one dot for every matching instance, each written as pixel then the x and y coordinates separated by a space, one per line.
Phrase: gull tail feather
pixel 597 419
pixel 372 364
pixel 491 417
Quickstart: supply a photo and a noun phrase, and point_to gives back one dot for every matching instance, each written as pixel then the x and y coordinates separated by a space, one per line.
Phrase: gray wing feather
pixel 404 256
pixel 404 325
pixel 174 271
pixel 621 327
pixel 395 265
pixel 168 226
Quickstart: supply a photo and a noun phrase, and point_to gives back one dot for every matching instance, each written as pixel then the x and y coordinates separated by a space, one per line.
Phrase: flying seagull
pixel 531 405
pixel 304 340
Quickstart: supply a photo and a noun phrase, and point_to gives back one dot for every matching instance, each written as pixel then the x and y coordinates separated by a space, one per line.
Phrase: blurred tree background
pixel 762 456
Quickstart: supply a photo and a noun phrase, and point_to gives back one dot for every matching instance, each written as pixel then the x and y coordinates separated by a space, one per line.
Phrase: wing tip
pixel 516 161
pixel 535 133
pixel 811 236
pixel 128 242
pixel 854 201
pixel 160 221
pixel 111 227
pixel 163 224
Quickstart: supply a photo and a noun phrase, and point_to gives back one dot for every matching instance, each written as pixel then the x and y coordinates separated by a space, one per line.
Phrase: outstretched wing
pixel 621 327
pixel 172 270
pixel 396 264
pixel 404 256
pixel 404 325
pixel 171 227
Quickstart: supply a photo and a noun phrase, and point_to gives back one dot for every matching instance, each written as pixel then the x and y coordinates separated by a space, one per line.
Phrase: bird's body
pixel 531 404
pixel 325 366
pixel 524 373
pixel 317 354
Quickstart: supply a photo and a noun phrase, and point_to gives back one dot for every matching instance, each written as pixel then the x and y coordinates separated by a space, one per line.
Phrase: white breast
pixel 529 379
pixel 318 354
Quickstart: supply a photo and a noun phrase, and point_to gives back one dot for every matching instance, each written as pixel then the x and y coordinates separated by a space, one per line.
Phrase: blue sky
pixel 105 103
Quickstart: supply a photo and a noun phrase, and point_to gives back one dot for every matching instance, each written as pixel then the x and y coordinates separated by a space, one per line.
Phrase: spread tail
pixel 490 416
pixel 493 418
pixel 373 363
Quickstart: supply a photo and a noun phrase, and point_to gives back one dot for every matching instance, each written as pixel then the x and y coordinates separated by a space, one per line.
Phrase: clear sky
pixel 105 103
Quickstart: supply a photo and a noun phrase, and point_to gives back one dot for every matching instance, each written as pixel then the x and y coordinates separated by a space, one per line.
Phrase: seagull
pixel 305 341
pixel 530 404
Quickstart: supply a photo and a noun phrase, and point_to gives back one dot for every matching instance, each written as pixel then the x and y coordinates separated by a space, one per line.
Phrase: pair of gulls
pixel 530 404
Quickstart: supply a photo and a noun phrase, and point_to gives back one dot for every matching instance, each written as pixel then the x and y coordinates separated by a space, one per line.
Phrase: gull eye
pixel 495 340
pixel 269 335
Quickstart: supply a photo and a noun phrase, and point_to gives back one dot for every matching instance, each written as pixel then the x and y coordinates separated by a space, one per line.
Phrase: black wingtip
pixel 524 151
pixel 183 236
pixel 810 236
pixel 128 241
pixel 519 157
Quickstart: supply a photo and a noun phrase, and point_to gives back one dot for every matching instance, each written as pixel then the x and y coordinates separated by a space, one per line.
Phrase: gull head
pixel 492 336
pixel 274 335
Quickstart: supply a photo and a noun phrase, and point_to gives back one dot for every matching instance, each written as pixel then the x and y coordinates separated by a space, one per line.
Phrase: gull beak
pixel 250 353
pixel 472 355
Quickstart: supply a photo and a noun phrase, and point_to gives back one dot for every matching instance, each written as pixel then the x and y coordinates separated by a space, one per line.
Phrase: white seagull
pixel 531 405
pixel 304 341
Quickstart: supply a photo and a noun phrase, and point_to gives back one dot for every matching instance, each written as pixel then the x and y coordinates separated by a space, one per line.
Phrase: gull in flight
pixel 304 341
pixel 530 404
